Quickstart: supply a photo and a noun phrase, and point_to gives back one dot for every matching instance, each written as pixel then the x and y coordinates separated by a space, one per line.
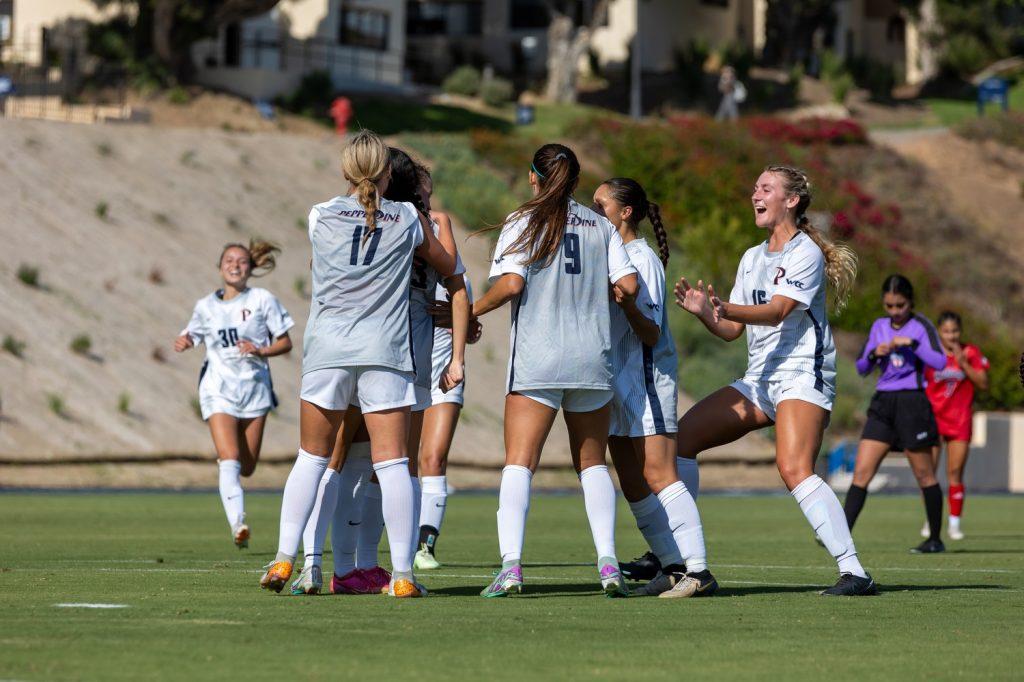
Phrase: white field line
pixel 937 569
pixel 91 606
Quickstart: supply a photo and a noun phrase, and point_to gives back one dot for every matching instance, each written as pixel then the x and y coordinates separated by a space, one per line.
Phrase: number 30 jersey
pixel 359 314
pixel 256 316
pixel 561 336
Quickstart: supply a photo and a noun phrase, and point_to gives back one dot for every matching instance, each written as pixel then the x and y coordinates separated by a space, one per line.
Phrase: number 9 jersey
pixel 232 383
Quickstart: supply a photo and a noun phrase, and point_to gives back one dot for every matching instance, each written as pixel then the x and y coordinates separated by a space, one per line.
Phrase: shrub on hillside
pixel 464 80
pixel 81 344
pixel 28 275
pixel 1005 128
pixel 496 92
pixel 313 97
pixel 808 131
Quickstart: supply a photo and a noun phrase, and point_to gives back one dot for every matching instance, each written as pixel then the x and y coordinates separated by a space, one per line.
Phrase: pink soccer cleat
pixel 378 578
pixel 353 582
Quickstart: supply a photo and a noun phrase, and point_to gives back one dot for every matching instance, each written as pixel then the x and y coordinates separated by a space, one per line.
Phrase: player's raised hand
pixel 475 331
pixel 693 300
pixel 452 377
pixel 717 307
pixel 183 343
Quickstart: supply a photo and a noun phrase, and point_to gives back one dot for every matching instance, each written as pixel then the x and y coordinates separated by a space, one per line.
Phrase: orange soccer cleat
pixel 406 589
pixel 277 575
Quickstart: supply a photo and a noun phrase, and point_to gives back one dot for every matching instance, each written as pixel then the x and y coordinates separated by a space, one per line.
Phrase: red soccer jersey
pixel 952 393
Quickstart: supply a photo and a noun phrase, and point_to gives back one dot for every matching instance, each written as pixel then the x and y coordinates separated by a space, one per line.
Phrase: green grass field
pixel 194 611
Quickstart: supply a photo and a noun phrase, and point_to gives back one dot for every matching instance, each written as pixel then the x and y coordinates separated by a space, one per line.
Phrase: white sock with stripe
pixel 684 520
pixel 297 502
pixel 231 494
pixel 347 520
pixel 689 474
pixel 821 507
pixel 599 499
pixel 433 501
pixel 513 506
pixel 315 534
pixel 398 507
pixel 652 521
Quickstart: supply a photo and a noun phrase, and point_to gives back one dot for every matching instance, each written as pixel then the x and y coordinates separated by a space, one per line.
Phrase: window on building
pixel 444 18
pixel 715 3
pixel 6 21
pixel 896 30
pixel 526 14
pixel 364 28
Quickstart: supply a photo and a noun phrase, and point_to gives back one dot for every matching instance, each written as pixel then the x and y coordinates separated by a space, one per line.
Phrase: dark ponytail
pixel 898 284
pixel 406 178
pixel 558 173
pixel 629 192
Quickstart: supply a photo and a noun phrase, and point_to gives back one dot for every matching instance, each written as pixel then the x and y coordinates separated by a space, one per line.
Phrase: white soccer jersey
pixel 359 314
pixel 230 382
pixel 802 344
pixel 645 378
pixel 560 335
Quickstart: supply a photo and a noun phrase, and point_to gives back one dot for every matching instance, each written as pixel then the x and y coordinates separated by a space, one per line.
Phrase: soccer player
pixel 779 300
pixel 241 326
pixel 357 347
pixel 642 437
pixel 554 261
pixel 951 393
pixel 901 345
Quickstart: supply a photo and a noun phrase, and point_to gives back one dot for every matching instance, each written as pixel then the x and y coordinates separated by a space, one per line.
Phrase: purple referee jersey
pixel 903 368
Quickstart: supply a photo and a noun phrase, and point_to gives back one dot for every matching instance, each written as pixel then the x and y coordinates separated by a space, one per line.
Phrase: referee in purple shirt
pixel 900 345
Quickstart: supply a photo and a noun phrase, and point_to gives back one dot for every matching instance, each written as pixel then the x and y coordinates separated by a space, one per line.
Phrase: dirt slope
pixel 128 275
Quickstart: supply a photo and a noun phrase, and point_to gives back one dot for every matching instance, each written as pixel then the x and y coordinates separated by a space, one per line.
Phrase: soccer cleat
pixel 645 567
pixel 701 584
pixel 663 582
pixel 403 588
pixel 611 579
pixel 353 582
pixel 378 579
pixel 310 581
pixel 926 531
pixel 277 575
pixel 425 559
pixel 954 528
pixel 242 534
pixel 850 585
pixel 507 581
pixel 929 547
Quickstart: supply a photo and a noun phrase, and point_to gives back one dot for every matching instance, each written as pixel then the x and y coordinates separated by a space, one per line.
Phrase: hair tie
pixel 560 155
pixel 534 169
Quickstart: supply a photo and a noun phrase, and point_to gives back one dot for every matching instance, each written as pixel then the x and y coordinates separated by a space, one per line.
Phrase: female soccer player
pixel 779 300
pixel 901 345
pixel 642 438
pixel 554 259
pixel 409 183
pixel 951 393
pixel 357 348
pixel 241 326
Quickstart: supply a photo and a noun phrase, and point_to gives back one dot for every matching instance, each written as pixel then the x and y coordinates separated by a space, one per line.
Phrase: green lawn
pixel 949 112
pixel 194 611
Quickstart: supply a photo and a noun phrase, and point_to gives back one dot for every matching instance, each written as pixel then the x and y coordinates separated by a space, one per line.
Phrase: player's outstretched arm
pixel 281 345
pixel 435 252
pixel 183 343
pixel 770 314
pixel 507 287
pixel 454 373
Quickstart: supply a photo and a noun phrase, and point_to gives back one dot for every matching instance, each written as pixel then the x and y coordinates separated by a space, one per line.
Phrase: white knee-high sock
pixel 599 499
pixel 513 505
pixel 397 504
pixel 417 502
pixel 689 474
pixel 297 502
pixel 315 534
pixel 822 509
pixel 348 513
pixel 433 501
pixel 684 520
pixel 231 495
pixel 652 521
pixel 372 527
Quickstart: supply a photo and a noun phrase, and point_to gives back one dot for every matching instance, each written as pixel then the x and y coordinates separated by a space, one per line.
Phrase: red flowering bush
pixel 808 131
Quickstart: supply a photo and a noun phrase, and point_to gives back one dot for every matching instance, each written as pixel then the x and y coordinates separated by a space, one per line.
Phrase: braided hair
pixel 628 192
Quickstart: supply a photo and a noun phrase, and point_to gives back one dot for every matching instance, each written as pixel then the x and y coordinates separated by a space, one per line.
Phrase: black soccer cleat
pixel 929 547
pixel 850 585
pixel 645 567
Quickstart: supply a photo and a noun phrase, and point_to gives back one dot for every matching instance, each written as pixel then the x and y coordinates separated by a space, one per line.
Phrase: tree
pixel 568 40
pixel 790 28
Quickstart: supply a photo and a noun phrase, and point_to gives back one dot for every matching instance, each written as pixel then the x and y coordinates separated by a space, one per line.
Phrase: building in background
pixel 360 44
pixel 27 26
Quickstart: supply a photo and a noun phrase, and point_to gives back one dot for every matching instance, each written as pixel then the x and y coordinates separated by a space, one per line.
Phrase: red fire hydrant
pixel 341 112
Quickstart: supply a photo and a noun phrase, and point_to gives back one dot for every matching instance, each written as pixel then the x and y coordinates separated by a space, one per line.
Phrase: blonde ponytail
pixel 364 162
pixel 840 259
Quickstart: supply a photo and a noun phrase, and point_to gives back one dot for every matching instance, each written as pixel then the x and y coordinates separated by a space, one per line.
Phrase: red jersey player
pixel 951 392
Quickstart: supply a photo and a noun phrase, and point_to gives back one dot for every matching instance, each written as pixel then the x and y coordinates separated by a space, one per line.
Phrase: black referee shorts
pixel 903 419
